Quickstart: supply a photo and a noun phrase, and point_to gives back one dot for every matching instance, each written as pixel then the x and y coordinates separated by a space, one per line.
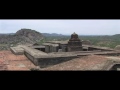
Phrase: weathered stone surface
pixel 39 46
pixel 59 50
pixel 47 48
pixel 93 47
pixel 54 48
pixel 51 54
pixel 34 52
pixel 23 36
pixel 10 61
pixel 17 50
pixel 117 47
pixel 92 62
pixel 74 44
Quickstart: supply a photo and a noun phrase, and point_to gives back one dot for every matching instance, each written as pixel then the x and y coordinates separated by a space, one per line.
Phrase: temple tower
pixel 74 43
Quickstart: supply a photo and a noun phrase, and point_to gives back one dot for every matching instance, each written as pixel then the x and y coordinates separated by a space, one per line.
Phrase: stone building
pixel 74 44
pixel 55 52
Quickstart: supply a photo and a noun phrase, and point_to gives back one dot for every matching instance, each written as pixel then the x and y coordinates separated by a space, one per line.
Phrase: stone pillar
pixel 47 48
pixel 55 48
pixel 64 48
pixel 69 49
pixel 51 48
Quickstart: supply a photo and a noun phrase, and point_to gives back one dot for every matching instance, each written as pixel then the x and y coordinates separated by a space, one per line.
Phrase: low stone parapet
pixel 17 50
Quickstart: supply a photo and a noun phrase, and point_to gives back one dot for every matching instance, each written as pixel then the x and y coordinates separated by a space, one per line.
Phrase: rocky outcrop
pixel 117 47
pixel 23 36
pixel 29 35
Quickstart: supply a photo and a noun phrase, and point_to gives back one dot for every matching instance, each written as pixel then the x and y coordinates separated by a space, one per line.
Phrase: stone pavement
pixel 9 61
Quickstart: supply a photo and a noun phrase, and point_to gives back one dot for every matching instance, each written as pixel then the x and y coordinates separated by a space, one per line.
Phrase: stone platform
pixel 17 50
pixel 42 59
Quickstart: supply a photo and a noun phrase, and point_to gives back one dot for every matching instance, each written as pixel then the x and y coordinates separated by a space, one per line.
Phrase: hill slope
pixel 52 34
pixel 22 36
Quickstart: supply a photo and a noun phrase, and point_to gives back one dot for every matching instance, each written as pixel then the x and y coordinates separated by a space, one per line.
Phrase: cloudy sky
pixel 80 26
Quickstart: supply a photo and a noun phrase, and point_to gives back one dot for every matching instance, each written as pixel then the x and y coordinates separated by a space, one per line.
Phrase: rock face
pixel 30 36
pixel 117 47
pixel 23 36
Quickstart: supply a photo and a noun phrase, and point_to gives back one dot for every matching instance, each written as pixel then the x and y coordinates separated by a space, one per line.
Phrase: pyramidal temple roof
pixel 74 33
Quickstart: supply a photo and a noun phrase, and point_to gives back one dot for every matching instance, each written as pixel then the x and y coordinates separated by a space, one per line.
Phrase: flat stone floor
pixel 9 61
pixel 12 62
pixel 92 62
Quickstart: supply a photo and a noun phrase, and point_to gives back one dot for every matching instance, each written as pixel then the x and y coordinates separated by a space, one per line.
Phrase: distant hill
pixel 7 33
pixel 52 34
pixel 116 35
pixel 21 36
pixel 44 34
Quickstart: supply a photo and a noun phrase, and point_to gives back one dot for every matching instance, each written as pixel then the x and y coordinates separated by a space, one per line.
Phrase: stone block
pixel 54 48
pixel 47 48
pixel 17 50
pixel 59 50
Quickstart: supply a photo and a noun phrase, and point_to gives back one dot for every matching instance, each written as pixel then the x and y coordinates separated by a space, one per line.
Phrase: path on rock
pixel 9 61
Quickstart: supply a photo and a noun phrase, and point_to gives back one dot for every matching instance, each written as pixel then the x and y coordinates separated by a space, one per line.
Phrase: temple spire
pixel 74 33
pixel 74 43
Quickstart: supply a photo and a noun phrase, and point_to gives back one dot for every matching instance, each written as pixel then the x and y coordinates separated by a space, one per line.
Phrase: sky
pixel 63 26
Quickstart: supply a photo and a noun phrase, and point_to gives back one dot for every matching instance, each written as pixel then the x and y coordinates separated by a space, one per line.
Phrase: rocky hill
pixel 29 36
pixel 22 36
pixel 52 34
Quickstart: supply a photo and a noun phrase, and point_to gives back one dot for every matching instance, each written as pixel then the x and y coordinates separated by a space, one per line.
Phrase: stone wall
pixel 93 48
pixel 47 48
pixel 74 48
pixel 17 50
pixel 51 48
pixel 31 58
pixel 55 48
pixel 64 48
pixel 45 62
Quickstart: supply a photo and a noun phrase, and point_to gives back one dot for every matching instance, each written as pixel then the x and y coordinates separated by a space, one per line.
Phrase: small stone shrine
pixel 74 44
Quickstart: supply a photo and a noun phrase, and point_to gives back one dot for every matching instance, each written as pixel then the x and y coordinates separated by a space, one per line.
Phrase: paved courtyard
pixel 9 61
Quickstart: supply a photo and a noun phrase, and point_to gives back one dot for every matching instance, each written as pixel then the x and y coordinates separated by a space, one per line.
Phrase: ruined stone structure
pixel 43 59
pixel 55 52
pixel 74 44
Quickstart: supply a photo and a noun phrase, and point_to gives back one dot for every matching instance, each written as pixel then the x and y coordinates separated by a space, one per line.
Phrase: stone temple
pixel 54 52
pixel 74 44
